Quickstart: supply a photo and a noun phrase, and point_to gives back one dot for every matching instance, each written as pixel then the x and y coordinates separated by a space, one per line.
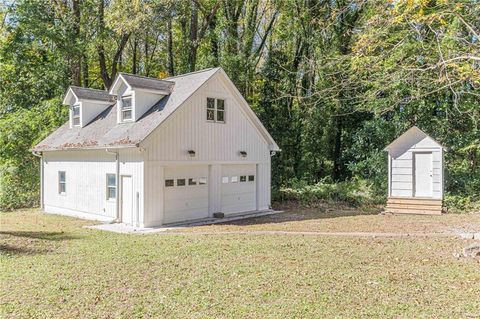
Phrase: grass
pixel 51 267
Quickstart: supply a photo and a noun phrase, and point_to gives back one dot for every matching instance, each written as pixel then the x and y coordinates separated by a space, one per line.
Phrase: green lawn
pixel 51 267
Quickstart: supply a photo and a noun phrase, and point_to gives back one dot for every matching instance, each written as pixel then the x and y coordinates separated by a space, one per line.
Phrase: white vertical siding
pixel 86 181
pixel 401 172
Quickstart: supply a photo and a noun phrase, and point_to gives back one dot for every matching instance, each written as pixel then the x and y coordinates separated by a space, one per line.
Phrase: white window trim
pixel 215 109
pixel 122 109
pixel 76 105
pixel 110 199
pixel 64 183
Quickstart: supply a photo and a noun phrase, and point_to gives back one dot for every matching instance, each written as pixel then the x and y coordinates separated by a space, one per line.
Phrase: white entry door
pixel 185 193
pixel 423 174
pixel 238 183
pixel 127 200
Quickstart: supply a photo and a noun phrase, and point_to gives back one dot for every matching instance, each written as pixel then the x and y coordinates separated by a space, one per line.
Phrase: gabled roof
pixel 413 133
pixel 142 83
pixel 87 94
pixel 105 132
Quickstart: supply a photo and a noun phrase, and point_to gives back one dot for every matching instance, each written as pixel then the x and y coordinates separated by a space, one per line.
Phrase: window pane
pixel 62 188
pixel 220 104
pixel 221 116
pixel 126 102
pixel 202 181
pixel 243 178
pixel 251 178
pixel 169 183
pixel 192 181
pixel 76 110
pixel 76 121
pixel 210 115
pixel 210 103
pixel 111 180
pixel 225 180
pixel 111 193
pixel 234 179
pixel 127 115
pixel 181 182
pixel 61 176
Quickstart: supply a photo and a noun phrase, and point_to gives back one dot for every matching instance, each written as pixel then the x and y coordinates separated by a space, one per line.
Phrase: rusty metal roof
pixel 105 132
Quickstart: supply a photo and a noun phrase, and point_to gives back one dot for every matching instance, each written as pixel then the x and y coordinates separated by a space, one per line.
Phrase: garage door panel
pixel 238 196
pixel 189 201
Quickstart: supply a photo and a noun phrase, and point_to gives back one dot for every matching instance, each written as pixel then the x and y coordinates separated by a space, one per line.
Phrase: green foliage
pixel 354 192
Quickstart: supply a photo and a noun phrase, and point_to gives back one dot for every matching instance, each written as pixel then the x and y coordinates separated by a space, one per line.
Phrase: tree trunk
pixel 134 56
pixel 85 70
pixel 76 63
pixel 193 46
pixel 170 65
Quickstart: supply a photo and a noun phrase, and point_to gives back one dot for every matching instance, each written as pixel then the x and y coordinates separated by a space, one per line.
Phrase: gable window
pixel 215 110
pixel 126 108
pixel 111 186
pixel 62 184
pixel 76 114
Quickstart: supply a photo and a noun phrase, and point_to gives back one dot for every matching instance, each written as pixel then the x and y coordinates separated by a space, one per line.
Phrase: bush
pixel 354 192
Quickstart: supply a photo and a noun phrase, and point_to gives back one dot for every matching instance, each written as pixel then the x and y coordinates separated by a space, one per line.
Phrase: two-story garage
pixel 151 152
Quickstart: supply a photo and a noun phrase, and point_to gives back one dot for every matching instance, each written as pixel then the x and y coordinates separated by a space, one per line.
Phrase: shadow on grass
pixel 14 250
pixel 50 236
pixel 301 214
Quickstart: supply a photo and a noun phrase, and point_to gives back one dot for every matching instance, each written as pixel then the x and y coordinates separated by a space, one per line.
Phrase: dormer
pixel 85 104
pixel 137 94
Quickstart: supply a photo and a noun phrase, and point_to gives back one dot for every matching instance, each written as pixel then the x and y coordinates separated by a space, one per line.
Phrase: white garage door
pixel 238 188
pixel 186 193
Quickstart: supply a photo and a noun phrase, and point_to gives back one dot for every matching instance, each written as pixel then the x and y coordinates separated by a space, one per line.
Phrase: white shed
pixel 415 174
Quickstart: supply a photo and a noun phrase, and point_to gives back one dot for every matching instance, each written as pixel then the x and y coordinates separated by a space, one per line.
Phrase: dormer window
pixel 76 115
pixel 127 108
pixel 215 110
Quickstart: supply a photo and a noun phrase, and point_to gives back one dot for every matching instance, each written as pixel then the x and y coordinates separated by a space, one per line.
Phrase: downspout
pixel 117 183
pixel 39 155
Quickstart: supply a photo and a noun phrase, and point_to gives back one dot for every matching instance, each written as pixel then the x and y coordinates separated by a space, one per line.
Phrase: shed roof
pixel 144 83
pixel 413 133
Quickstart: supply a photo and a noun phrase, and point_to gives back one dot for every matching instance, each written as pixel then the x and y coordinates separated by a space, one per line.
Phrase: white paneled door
pixel 127 200
pixel 186 193
pixel 238 188
pixel 423 172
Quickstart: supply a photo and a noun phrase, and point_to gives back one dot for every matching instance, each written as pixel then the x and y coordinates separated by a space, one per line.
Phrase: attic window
pixel 215 110
pixel 126 108
pixel 76 115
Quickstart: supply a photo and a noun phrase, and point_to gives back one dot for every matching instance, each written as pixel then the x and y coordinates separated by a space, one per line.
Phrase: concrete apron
pixel 129 229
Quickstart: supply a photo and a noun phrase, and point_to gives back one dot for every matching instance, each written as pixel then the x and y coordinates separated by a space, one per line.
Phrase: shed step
pixel 413 211
pixel 409 206
pixel 415 201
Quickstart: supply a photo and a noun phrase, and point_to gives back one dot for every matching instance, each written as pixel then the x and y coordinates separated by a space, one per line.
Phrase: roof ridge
pixel 82 87
pixel 142 76
pixel 191 73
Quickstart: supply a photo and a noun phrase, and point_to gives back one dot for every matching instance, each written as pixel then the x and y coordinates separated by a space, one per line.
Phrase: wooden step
pixel 409 206
pixel 413 211
pixel 419 201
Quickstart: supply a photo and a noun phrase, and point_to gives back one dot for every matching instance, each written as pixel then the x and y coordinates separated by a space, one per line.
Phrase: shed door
pixel 238 188
pixel 186 193
pixel 127 200
pixel 423 174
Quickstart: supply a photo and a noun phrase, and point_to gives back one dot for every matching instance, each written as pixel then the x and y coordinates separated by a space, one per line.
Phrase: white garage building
pixel 153 152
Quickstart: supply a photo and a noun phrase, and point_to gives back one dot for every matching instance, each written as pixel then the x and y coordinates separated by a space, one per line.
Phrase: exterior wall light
pixel 191 153
pixel 243 153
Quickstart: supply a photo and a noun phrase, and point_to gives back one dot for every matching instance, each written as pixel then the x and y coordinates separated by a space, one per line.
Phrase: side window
pixel 76 114
pixel 62 182
pixel 111 186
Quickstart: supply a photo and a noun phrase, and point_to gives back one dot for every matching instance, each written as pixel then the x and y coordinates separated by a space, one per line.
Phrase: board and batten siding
pixel 402 168
pixel 214 144
pixel 86 183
